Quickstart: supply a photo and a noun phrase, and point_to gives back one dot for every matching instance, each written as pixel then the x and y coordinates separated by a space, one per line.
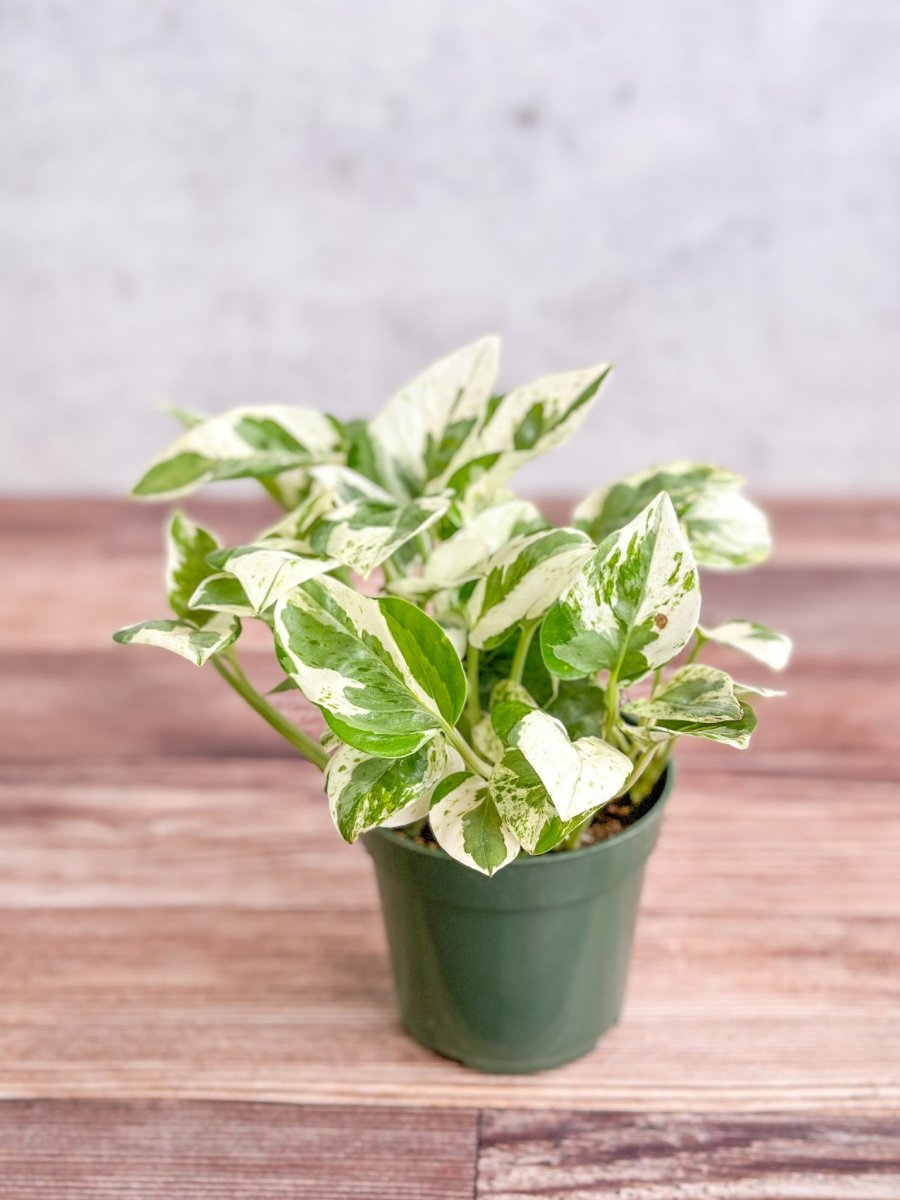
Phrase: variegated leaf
pixel 485 739
pixel 519 426
pixel 614 505
pixel 383 672
pixel 222 593
pixel 695 693
pixel 181 637
pixel 524 804
pixel 187 546
pixel 753 639
pixel 245 442
pixel 365 792
pixel 724 529
pixel 522 581
pixel 731 733
pixel 266 573
pixel 580 705
pixel 727 532
pixel 467 826
pixel 367 525
pixel 465 555
pixel 422 426
pixel 633 606
pixel 578 775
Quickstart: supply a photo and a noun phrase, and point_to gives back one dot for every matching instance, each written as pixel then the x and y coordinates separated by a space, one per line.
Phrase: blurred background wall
pixel 230 202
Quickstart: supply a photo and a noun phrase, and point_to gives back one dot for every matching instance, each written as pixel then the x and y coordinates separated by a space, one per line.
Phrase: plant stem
pixel 473 703
pixel 466 753
pixel 612 704
pixel 517 668
pixel 236 679
pixel 639 768
pixel 699 639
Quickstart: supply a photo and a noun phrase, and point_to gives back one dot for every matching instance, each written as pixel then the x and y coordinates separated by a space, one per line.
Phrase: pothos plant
pixel 477 667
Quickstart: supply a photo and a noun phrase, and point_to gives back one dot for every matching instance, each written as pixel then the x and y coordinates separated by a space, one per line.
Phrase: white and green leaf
pixel 222 593
pixel 420 429
pixel 245 442
pixel 266 572
pixel 383 672
pixel 753 639
pixel 727 532
pixel 633 606
pixel 734 733
pixel 524 804
pixel 467 826
pixel 187 546
pixel 182 638
pixel 695 693
pixel 522 581
pixel 578 775
pixel 365 792
pixel 465 554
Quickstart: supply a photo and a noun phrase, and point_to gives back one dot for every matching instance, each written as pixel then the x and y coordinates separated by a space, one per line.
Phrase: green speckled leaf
pixel 753 639
pixel 383 672
pixel 187 546
pixel 466 824
pixel 266 572
pixel 695 693
pixel 634 605
pixel 180 637
pixel 365 792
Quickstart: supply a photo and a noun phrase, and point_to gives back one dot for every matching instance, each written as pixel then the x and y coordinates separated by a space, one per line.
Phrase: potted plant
pixel 502 697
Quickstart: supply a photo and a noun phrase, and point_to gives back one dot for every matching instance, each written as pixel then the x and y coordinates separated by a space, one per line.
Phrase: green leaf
pixel 522 582
pixel 581 707
pixel 578 775
pixel 180 637
pixel 383 672
pixel 521 425
pixel 467 826
pixel 753 639
pixel 695 694
pixel 634 605
pixel 187 546
pixel 246 442
pixel 732 733
pixel 222 593
pixel 496 664
pixel 366 524
pixel 266 572
pixel 725 531
pixel 422 426
pixel 365 792
pixel 524 804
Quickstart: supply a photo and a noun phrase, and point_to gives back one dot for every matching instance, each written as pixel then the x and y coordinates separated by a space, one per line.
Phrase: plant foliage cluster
pixel 476 666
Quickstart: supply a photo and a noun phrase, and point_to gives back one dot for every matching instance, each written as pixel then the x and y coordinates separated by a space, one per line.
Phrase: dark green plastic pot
pixel 521 971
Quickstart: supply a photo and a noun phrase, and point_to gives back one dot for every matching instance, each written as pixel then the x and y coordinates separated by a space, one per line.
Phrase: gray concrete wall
pixel 223 202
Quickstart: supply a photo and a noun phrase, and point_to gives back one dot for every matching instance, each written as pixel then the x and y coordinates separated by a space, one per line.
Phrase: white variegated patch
pixel 467 826
pixel 634 605
pixel 268 573
pixel 245 441
pixel 726 531
pixel 753 639
pixel 180 637
pixel 523 580
pixel 578 775
pixel 419 426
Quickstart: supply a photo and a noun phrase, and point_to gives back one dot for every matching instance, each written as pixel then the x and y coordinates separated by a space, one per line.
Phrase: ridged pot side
pixel 521 971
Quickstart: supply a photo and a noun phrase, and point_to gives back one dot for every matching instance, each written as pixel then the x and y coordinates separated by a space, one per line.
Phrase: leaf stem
pixel 466 753
pixel 236 679
pixel 517 668
pixel 699 641
pixel 612 704
pixel 473 702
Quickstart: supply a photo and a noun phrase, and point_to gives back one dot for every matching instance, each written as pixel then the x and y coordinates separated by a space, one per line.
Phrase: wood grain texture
pixel 577 1156
pixel 163 1151
pixel 180 924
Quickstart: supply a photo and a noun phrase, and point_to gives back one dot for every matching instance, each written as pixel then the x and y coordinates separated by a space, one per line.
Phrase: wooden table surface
pixel 194 994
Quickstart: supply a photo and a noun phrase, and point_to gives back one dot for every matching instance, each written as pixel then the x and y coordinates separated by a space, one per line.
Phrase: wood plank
pixel 52 1150
pixel 257 834
pixel 725 1013
pixel 577 1156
